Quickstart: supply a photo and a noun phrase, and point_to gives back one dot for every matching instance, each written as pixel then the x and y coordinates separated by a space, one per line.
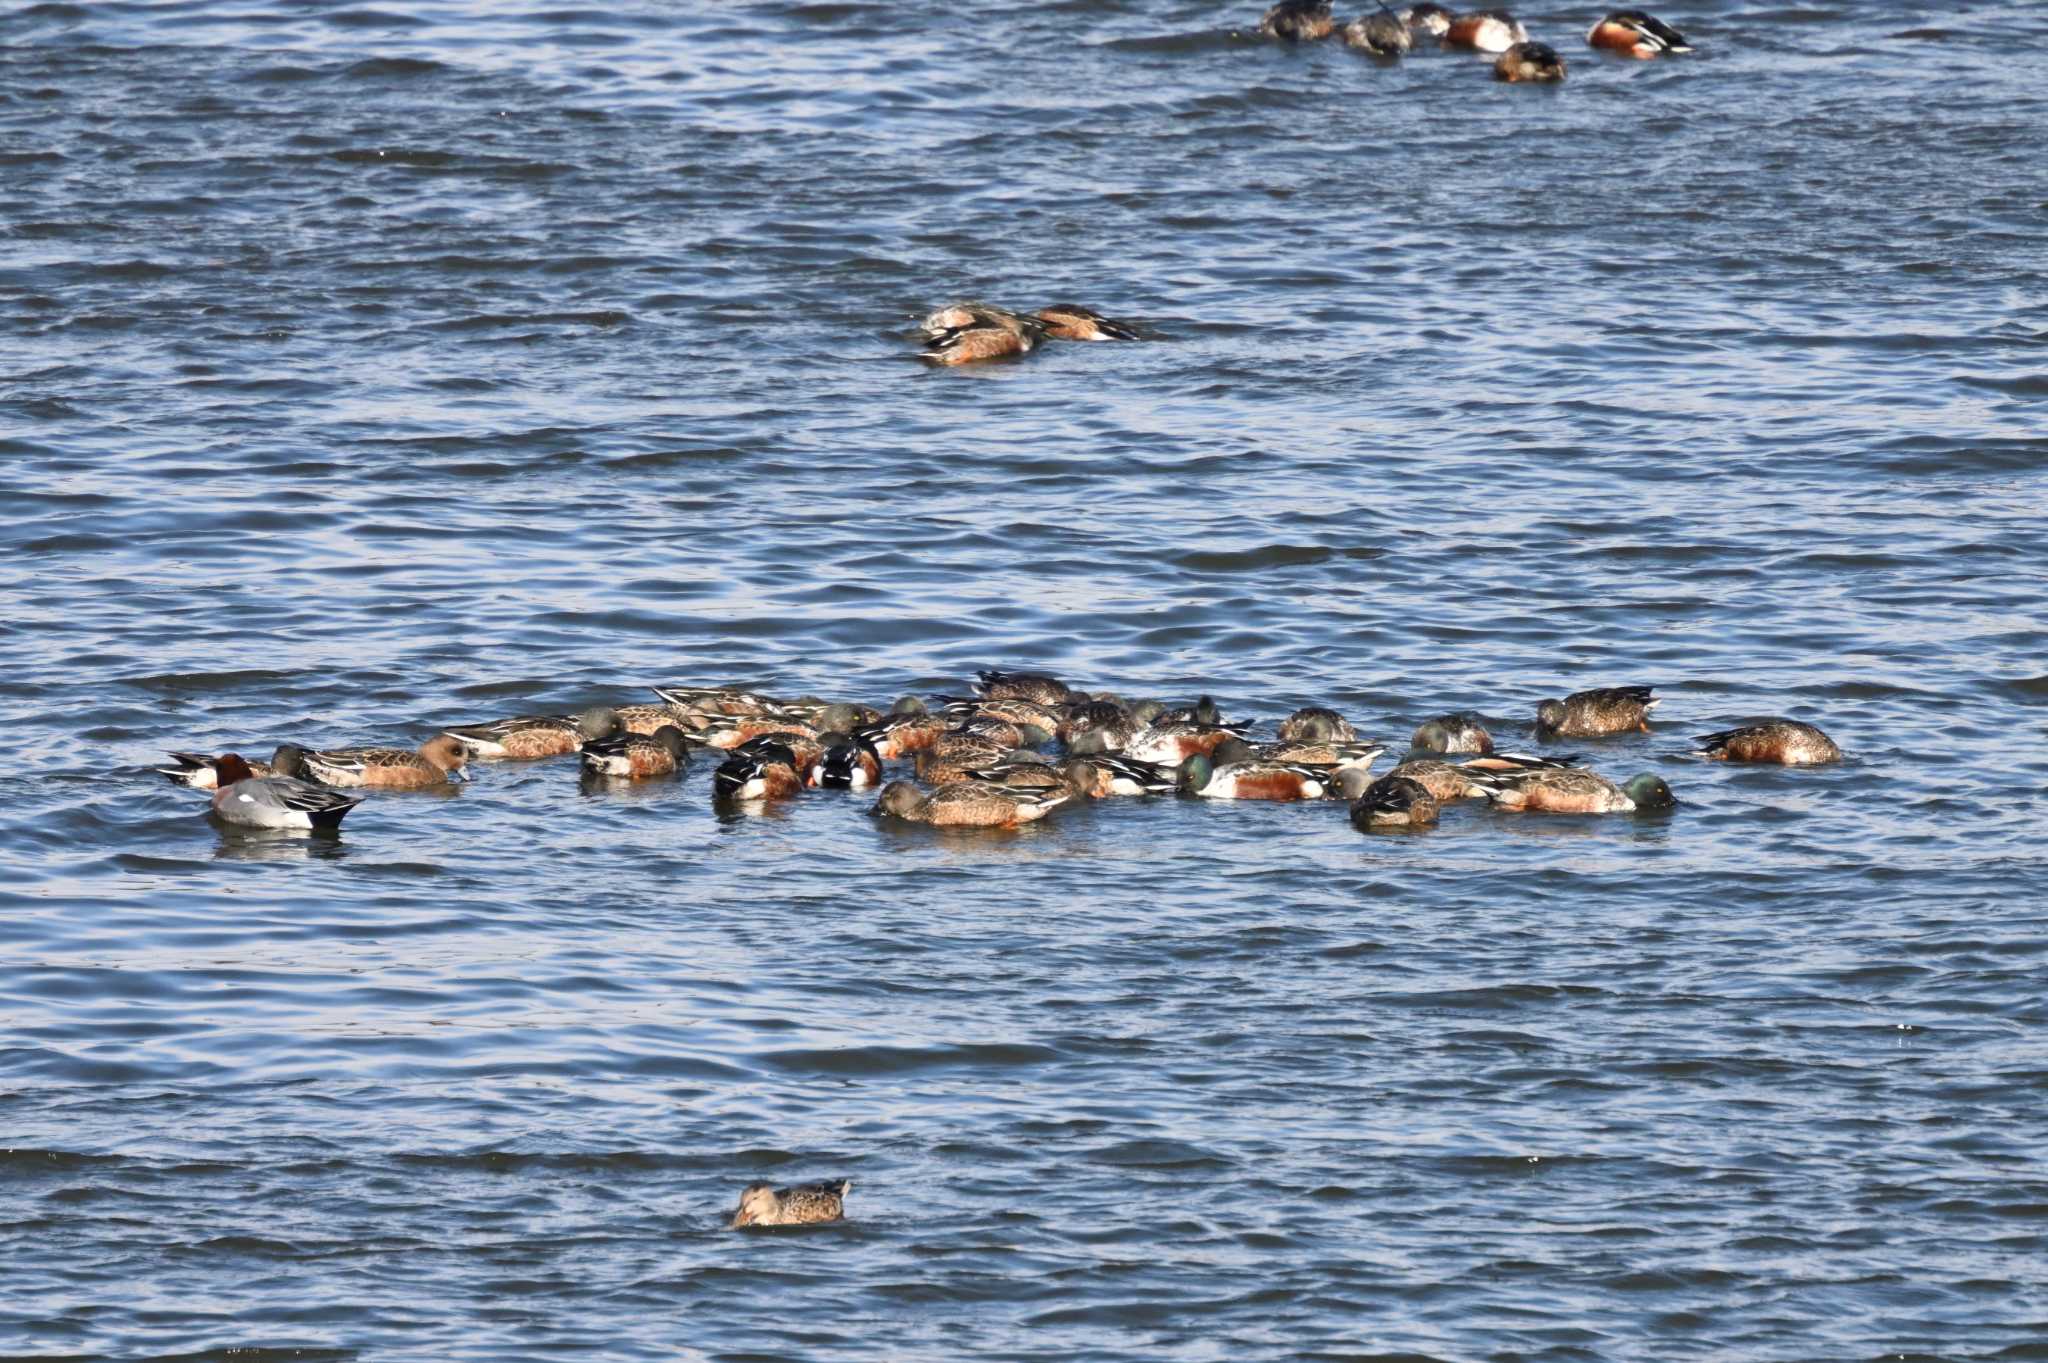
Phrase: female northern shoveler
pixel 1633 33
pixel 1426 20
pixel 198 772
pixel 438 762
pixel 1254 779
pixel 987 334
pixel 1298 21
pixel 1785 741
pixel 765 771
pixel 848 763
pixel 1072 322
pixel 1573 790
pixel 532 736
pixel 1383 34
pixel 1391 802
pixel 636 755
pixel 1046 720
pixel 1532 63
pixel 1172 742
pixel 969 804
pixel 1486 30
pixel 1592 714
pixel 1446 781
pixel 1452 733
pixel 240 797
pixel 805 1204
pixel 1316 724
pixel 954 755
pixel 716 700
pixel 1335 756
pixel 993 685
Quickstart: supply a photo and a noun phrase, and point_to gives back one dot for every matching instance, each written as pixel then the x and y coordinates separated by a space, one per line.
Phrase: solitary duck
pixel 531 736
pixel 1254 779
pixel 636 756
pixel 254 801
pixel 1298 21
pixel 969 804
pixel 438 762
pixel 1596 713
pixel 1316 724
pixel 1529 63
pixel 1784 741
pixel 1072 322
pixel 1459 733
pixel 980 332
pixel 1381 35
pixel 1633 33
pixel 805 1204
pixel 765 771
pixel 198 772
pixel 1574 790
pixel 1393 801
pixel 1486 30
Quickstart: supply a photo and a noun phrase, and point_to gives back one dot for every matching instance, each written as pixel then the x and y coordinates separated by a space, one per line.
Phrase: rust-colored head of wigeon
pixel 1072 322
pixel 1533 63
pixel 1632 33
pixel 446 753
pixel 229 768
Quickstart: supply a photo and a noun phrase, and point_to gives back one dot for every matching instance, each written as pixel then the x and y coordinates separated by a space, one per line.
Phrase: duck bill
pixel 742 1217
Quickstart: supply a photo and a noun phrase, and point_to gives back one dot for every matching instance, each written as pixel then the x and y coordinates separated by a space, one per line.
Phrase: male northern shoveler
pixel 987 334
pixel 1203 711
pixel 969 804
pixel 252 801
pixel 1172 742
pixel 531 736
pixel 1426 20
pixel 763 771
pixel 735 731
pixel 1593 714
pixel 1530 63
pixel 1785 741
pixel 1254 779
pixel 1298 21
pixel 1573 790
pixel 198 772
pixel 849 762
pixel 1458 733
pixel 1072 322
pixel 1486 30
pixel 990 684
pixel 438 762
pixel 1393 801
pixel 1316 724
pixel 1383 34
pixel 636 755
pixel 805 1204
pixel 1633 33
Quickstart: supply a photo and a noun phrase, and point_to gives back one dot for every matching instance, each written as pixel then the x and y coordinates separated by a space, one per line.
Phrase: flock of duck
pixel 1494 32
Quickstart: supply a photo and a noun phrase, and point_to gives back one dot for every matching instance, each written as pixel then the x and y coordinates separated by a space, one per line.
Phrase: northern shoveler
pixel 251 801
pixel 1172 742
pixel 1447 781
pixel 765 771
pixel 1203 711
pixel 1393 802
pixel 438 762
pixel 1531 63
pixel 1382 35
pixel 1426 20
pixel 1072 322
pixel 954 755
pixel 987 334
pixel 634 756
pixel 1486 30
pixel 1254 779
pixel 1316 724
pixel 1458 733
pixel 969 804
pixel 1785 741
pixel 716 700
pixel 1593 714
pixel 849 762
pixel 993 685
pixel 1573 790
pixel 1633 33
pixel 1333 755
pixel 805 1204
pixel 531 736
pixel 1298 21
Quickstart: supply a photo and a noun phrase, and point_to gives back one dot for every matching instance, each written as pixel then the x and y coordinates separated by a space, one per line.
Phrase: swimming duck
pixel 1116 775
pixel 1203 711
pixel 805 1204
pixel 969 804
pixel 1045 720
pixel 955 754
pixel 1336 756
pixel 735 731
pixel 716 700
pixel 531 736
pixel 241 797
pixel 1458 733
pixel 1316 724
pixel 438 762
pixel 1785 741
pixel 1426 20
pixel 1298 21
pixel 1391 802
pixel 849 762
pixel 993 685
pixel 1254 779
pixel 634 756
pixel 1447 781
pixel 987 334
pixel 1106 726
pixel 1382 35
pixel 765 771
pixel 1595 713
pixel 1633 33
pixel 1072 322
pixel 900 735
pixel 1171 742
pixel 1486 30
pixel 1533 63
pixel 198 772
pixel 1573 790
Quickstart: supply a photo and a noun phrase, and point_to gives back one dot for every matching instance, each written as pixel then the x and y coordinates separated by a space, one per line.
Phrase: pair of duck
pixel 301 789
pixel 1392 33
pixel 963 333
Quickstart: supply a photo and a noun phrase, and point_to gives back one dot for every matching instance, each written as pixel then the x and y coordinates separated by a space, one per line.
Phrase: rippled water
pixel 367 370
